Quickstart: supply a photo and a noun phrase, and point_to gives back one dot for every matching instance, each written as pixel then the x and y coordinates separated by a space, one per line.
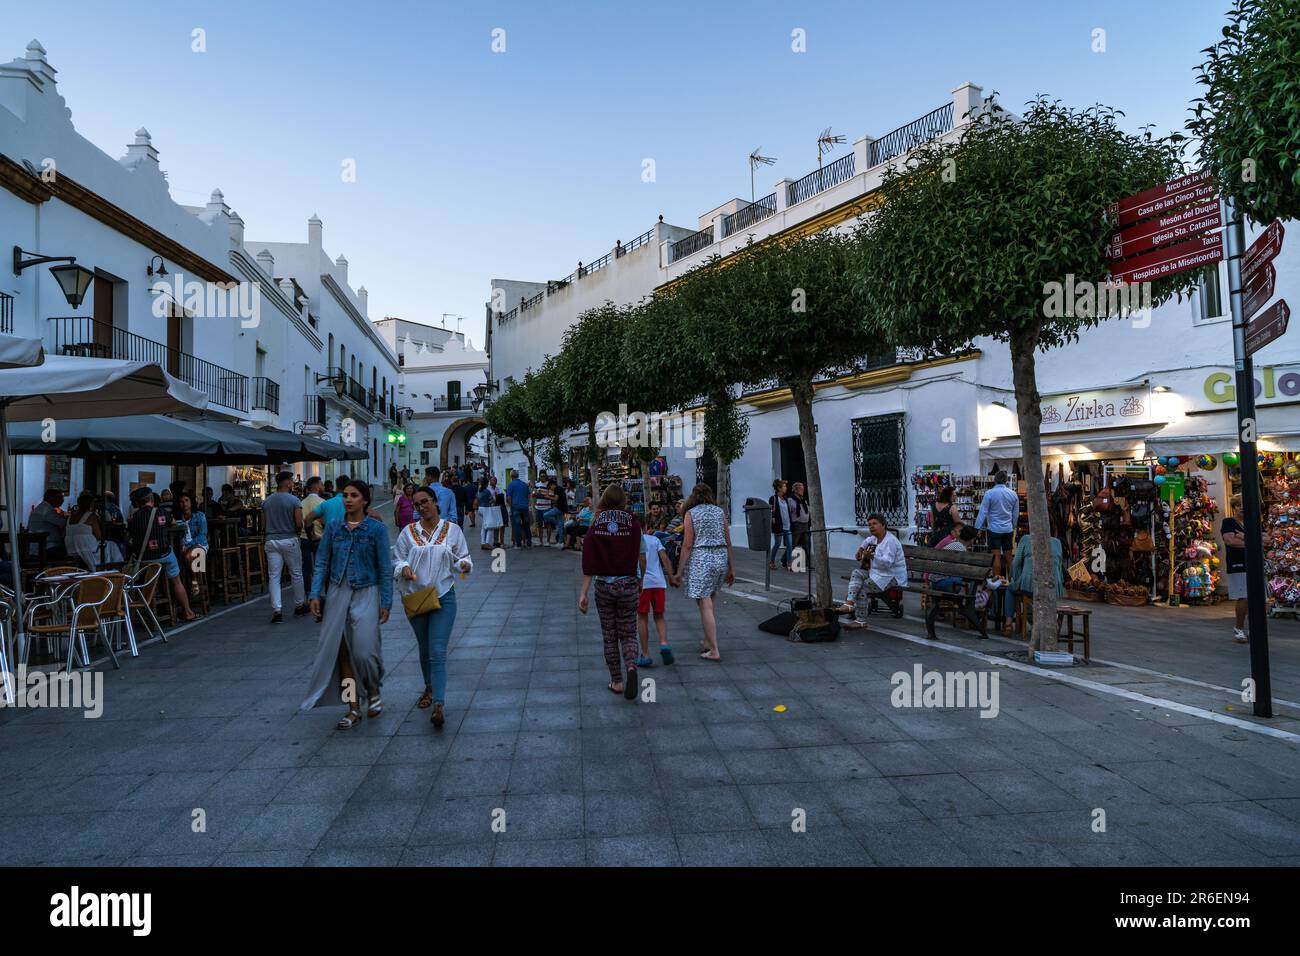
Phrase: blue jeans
pixel 432 630
pixel 779 538
pixel 520 525
pixel 554 517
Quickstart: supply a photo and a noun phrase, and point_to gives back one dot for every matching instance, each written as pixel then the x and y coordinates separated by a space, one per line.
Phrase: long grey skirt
pixel 352 616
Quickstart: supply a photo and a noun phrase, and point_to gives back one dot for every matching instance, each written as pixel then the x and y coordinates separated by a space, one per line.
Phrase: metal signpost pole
pixel 1247 429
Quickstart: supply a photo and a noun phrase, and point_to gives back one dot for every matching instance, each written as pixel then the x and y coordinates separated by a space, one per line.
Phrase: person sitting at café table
pixel 83 533
pixel 196 536
pixel 49 518
pixel 576 529
pixel 111 511
pixel 150 542
pixel 228 504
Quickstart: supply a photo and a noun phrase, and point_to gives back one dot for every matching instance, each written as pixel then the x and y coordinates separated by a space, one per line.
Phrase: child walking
pixel 656 568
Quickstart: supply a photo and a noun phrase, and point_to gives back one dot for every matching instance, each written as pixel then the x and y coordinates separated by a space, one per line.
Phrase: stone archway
pixel 469 426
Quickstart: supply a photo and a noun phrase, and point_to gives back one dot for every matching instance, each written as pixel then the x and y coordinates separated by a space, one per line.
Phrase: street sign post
pixel 1178 224
pixel 1257 290
pixel 1269 327
pixel 1263 250
pixel 1199 250
pixel 1247 428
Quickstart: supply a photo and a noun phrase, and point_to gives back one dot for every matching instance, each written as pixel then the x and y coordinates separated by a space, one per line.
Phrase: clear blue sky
pixel 473 165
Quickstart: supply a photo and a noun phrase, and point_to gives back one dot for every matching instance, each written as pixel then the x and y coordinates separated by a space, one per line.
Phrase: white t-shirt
pixel 654 566
pixel 888 563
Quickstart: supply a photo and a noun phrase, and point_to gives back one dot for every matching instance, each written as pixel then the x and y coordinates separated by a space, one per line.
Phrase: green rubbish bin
pixel 758 523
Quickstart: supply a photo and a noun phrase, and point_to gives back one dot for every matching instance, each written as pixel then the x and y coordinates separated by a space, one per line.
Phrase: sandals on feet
pixel 708 656
pixel 376 708
pixel 426 699
pixel 437 716
pixel 613 689
pixel 350 720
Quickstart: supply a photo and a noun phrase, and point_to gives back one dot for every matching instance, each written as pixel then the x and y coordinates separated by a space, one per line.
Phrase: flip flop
pixel 707 657
pixel 610 685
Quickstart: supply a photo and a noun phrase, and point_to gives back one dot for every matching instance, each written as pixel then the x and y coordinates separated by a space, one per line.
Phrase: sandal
pixel 376 708
pixel 426 699
pixel 437 717
pixel 613 689
pixel 350 720
pixel 708 656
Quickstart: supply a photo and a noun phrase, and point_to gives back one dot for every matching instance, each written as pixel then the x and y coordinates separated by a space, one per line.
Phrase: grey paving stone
pixel 456 819
pixel 263 858
pixel 355 856
pixel 708 809
pixel 171 789
pixel 540 853
pixel 621 772
pixel 469 777
pixel 739 848
pixel 869 801
pixel 823 846
pixel 913 843
pixel 675 770
pixel 941 795
pixel 543 816
pixel 368 824
pixel 545 775
pixel 321 785
pixel 625 812
pixel 396 782
pixel 183 832
pixel 286 827
pixel 1023 790
pixel 638 850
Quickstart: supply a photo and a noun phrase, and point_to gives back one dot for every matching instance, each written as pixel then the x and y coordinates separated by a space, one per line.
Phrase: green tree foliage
pixel 1248 121
pixel 973 233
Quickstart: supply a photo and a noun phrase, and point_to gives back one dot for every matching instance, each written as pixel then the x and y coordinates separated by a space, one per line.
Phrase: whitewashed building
pixel 439 371
pixel 1157 384
pixel 265 351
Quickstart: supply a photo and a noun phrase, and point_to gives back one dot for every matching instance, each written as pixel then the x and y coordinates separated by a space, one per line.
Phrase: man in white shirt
pixel 883 567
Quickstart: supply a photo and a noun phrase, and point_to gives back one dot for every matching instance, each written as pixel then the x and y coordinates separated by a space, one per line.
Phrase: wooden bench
pixel 972 567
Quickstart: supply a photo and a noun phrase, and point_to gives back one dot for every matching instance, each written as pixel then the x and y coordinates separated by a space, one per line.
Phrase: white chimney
pixel 314 232
pixel 341 263
pixel 267 263
pixel 364 298
pixel 236 228
pixel 286 286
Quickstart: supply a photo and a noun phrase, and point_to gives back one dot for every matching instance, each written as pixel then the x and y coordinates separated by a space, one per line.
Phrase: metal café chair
pixel 140 590
pixel 86 597
pixel 115 613
pixel 6 634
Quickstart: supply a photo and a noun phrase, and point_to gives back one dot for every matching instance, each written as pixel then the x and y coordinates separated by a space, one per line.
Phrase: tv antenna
pixel 756 159
pixel 826 144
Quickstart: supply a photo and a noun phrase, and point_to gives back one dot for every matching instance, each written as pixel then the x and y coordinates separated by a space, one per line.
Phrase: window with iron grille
pixel 880 469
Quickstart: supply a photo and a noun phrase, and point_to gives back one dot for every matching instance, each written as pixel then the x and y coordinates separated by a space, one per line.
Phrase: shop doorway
pixel 789 461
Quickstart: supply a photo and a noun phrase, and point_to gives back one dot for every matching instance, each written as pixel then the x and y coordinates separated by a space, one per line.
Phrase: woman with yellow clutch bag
pixel 426 555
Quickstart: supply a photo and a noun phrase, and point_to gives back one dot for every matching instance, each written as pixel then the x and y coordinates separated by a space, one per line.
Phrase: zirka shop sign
pixel 1103 408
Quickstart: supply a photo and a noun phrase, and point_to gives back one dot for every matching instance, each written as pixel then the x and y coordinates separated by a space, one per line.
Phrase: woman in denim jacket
pixel 354 564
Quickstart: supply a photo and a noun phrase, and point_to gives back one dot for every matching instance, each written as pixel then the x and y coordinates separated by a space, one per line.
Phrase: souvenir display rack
pixel 1196 560
pixel 968 492
pixel 1281 474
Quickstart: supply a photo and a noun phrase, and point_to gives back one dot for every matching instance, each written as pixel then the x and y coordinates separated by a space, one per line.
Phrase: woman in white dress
pixel 428 553
pixel 489 508
pixel 705 561
pixel 81 538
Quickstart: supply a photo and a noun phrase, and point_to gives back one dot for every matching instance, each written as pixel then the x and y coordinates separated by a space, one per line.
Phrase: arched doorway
pixel 455 440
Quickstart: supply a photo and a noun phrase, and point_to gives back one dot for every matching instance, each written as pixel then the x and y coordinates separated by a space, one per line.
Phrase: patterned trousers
pixel 616 605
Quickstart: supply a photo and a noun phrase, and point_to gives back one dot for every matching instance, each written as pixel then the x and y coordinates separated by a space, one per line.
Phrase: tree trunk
pixel 724 487
pixel 820 557
pixel 593 467
pixel 1029 412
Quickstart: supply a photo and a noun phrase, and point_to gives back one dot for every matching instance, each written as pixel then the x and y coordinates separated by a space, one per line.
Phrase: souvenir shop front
pixel 652 493
pixel 1200 450
pixel 1101 488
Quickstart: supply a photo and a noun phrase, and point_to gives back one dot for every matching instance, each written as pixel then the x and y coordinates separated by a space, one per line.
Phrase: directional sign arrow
pixel 1179 224
pixel 1197 251
pixel 1256 292
pixel 1268 327
pixel 1264 249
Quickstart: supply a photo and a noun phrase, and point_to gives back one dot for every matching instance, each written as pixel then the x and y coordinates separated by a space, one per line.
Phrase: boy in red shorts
pixel 656 568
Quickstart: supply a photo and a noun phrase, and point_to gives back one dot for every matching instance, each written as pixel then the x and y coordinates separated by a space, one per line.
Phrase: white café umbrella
pixel 71 387
pixel 17 352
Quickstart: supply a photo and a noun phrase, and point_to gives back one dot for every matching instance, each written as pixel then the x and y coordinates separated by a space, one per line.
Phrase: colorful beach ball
pixel 1231 458
pixel 1206 462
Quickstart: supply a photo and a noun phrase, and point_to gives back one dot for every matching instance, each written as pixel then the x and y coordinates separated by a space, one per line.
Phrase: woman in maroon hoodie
pixel 611 552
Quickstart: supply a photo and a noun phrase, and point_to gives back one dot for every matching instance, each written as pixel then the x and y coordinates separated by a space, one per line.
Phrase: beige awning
pixel 1124 442
pixel 1278 429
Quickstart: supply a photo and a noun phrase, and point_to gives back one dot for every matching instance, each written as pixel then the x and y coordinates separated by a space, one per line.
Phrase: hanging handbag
pixel 1104 501
pixel 1142 542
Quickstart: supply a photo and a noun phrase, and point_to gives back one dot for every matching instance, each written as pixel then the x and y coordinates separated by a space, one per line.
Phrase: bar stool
pixel 227 562
pixel 254 554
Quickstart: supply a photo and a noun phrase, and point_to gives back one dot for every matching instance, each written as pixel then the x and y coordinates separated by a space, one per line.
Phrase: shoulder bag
pixel 426 599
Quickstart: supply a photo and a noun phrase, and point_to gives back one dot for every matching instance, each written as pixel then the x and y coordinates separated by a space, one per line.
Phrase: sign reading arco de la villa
pixel 1273 383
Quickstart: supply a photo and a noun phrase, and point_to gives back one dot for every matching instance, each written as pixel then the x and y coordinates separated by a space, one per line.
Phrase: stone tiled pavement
pixel 708 774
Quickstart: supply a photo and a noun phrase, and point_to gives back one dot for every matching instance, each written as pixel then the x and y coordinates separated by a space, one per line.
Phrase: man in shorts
pixel 147 532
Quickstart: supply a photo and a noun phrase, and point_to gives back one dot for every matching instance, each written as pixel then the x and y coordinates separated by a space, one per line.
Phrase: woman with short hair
pixel 706 561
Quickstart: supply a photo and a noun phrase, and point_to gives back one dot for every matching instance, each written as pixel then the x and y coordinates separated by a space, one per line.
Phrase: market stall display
pixel 1282 533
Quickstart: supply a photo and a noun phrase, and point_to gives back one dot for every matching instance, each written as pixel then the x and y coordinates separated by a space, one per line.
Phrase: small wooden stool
pixel 1065 614
pixel 1024 606
pixel 228 576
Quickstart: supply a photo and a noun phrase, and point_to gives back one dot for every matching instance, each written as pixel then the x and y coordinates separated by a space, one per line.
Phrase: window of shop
pixel 879 469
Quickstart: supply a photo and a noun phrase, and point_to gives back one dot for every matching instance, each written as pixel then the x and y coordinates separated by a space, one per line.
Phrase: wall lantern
pixel 73 279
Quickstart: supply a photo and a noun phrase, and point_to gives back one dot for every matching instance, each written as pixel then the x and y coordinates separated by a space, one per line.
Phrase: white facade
pixel 439 370
pixel 1128 389
pixel 226 321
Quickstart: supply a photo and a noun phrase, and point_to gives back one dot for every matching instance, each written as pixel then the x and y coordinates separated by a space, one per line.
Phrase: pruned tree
pixel 1248 121
pixel 972 235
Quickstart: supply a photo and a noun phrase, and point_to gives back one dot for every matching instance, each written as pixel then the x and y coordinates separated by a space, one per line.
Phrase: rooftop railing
pixel 744 218
pixel 930 126
pixel 640 240
pixel 821 179
pixel 691 244
pixel 527 304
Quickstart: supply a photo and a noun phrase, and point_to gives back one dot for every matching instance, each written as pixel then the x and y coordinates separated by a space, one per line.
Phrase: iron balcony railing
pixel 821 179
pixel 744 218
pixel 527 304
pixel 352 389
pixel 314 412
pixel 868 363
pixel 596 266
pixel 930 126
pixel 266 395
pixel 640 240
pixel 691 244
pixel 448 403
pixel 504 317
pixel 6 313
pixel 81 335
